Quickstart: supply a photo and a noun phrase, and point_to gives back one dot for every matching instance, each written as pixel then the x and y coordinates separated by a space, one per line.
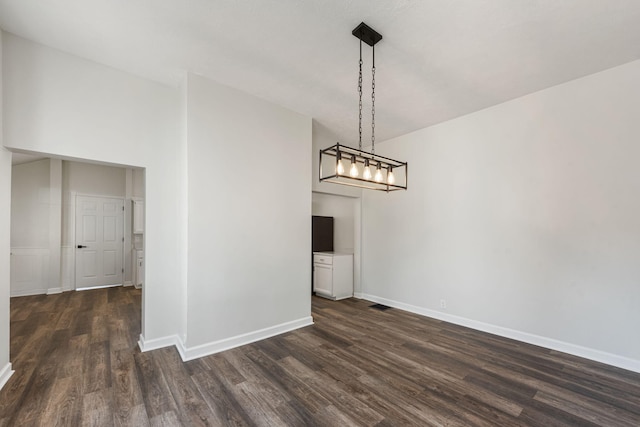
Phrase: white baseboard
pixel 28 292
pixel 137 286
pixel 196 352
pixel 53 291
pixel 550 343
pixel 5 374
pixel 127 284
pixel 88 288
pixel 190 353
pixel 154 344
pixel 66 286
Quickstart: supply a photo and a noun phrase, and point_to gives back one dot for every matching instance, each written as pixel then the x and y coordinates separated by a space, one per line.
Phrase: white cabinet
pixel 139 270
pixel 333 275
pixel 138 216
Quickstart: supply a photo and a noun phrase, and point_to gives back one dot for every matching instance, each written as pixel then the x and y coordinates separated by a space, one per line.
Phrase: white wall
pixel 5 240
pixel 35 227
pixel 63 105
pixel 249 228
pixel 94 180
pixel 522 216
pixel 31 209
pixel 30 205
pixel 138 183
pixel 5 243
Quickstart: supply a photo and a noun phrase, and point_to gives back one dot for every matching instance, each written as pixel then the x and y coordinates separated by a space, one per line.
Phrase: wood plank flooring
pixel 77 363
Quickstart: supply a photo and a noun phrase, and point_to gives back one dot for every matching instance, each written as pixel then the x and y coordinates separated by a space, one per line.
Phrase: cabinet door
pixel 323 279
pixel 138 217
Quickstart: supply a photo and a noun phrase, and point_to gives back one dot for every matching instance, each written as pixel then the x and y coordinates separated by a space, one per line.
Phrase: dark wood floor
pixel 77 363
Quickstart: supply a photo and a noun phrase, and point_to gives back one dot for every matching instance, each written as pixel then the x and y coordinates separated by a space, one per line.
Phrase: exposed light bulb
pixel 390 178
pixel 378 177
pixel 367 170
pixel 339 166
pixel 367 173
pixel 353 171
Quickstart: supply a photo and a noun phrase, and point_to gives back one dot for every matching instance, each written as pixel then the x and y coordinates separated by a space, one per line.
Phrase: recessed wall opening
pixel 76 225
pixel 346 214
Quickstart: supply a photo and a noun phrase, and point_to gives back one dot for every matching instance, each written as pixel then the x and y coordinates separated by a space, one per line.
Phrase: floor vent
pixel 380 307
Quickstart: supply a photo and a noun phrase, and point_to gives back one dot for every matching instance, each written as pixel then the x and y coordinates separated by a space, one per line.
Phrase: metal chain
pixel 360 107
pixel 373 103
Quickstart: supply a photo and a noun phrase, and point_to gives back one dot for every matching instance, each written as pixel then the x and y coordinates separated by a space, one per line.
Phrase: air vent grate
pixel 380 307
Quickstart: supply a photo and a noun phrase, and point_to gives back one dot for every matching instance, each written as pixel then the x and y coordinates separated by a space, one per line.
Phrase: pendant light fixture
pixel 366 169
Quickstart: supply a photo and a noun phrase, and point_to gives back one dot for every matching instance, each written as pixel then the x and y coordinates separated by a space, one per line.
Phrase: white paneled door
pixel 99 241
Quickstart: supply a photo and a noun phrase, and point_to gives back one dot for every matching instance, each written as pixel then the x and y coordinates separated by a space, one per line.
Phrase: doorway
pixel 346 212
pixel 49 198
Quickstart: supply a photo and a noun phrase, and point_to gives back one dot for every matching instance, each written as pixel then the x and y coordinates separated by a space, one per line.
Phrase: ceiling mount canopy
pixel 367 169
pixel 367 34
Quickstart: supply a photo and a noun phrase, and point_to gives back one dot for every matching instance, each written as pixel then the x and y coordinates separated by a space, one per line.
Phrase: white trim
pixel 53 291
pixel 154 344
pixel 40 250
pixel 88 288
pixel 99 196
pixel 68 265
pixel 5 374
pixel 182 349
pixel 27 293
pixel 550 343
pixel 228 343
pixel 128 283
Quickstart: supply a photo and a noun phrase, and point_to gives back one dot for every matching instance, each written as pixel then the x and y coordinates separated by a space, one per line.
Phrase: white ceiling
pixel 439 59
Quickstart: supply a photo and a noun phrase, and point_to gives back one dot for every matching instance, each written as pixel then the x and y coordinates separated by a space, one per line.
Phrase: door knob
pixel 81 246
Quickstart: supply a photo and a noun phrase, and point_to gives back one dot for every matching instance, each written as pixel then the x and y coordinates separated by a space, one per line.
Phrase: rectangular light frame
pixel 329 159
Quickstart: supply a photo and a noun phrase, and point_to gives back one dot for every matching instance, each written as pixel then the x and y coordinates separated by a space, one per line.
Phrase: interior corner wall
pixel 66 106
pixel 5 248
pixel 523 216
pixel 5 243
pixel 249 227
pixel 183 207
